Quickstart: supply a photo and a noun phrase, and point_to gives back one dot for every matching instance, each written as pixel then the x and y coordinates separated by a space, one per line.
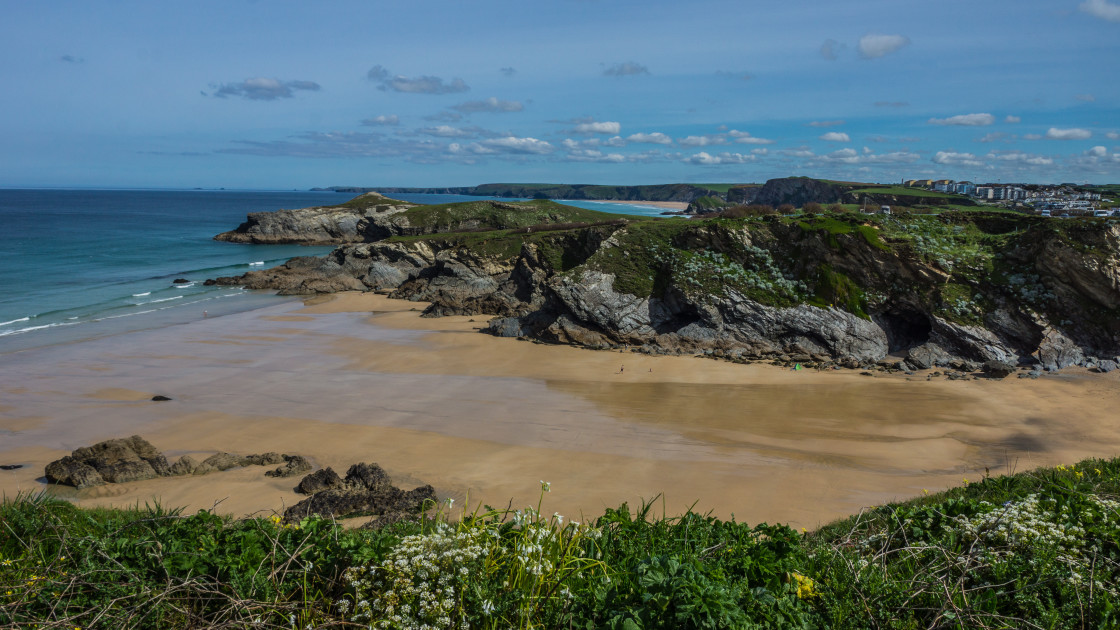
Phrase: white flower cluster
pixel 419 586
pixel 1036 522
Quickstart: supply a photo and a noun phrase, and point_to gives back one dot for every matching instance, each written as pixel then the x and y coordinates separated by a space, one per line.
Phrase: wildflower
pixel 1079 474
pixel 450 502
pixel 546 486
pixel 806 588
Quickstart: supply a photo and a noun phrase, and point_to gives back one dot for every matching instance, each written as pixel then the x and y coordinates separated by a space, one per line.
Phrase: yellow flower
pixel 1097 470
pixel 806 588
pixel 1080 474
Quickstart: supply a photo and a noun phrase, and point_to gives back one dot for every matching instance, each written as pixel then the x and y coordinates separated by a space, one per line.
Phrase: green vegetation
pixel 903 191
pixel 501 215
pixel 1032 550
pixel 707 203
pixel 362 202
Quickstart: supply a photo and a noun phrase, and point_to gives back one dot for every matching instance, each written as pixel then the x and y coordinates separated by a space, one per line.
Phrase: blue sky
pixel 291 95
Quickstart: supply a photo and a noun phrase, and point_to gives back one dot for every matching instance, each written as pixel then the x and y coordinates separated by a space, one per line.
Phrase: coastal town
pixel 1048 200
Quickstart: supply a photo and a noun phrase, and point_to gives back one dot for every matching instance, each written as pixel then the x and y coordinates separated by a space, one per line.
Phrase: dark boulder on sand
pixel 111 461
pixel 367 489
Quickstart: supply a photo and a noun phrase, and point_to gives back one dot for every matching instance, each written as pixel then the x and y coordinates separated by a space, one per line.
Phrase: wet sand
pixel 359 377
pixel 666 205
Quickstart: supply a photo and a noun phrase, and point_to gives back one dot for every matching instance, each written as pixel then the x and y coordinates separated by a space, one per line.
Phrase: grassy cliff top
pixel 504 215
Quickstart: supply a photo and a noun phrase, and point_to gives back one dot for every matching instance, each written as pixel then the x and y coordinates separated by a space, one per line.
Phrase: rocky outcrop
pixel 797 191
pixel 111 461
pixel 831 289
pixel 366 490
pixel 135 459
pixel 365 218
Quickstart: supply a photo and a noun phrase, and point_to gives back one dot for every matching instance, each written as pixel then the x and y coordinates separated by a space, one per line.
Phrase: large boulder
pixel 111 461
pixel 366 490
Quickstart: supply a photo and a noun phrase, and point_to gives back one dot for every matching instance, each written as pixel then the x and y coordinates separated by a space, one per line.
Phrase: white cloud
pixel 799 153
pixel 705 159
pixel 1102 9
pixel 742 137
pixel 598 127
pixel 702 141
pixel 491 104
pixel 874 46
pixel 382 120
pixel 952 158
pixel 835 136
pixel 512 144
pixel 625 69
pixel 1068 134
pixel 1012 119
pixel 446 131
pixel 1097 151
pixel 844 156
pixel 1112 135
pixel 1022 158
pixel 760 151
pixel 826 123
pixel 592 155
pixel 965 120
pixel 650 138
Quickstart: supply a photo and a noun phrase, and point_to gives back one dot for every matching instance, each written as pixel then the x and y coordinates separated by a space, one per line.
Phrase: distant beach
pixel 360 377
pixel 667 205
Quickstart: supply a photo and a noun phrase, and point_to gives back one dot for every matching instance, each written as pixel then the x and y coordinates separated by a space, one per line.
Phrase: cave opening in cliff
pixel 905 328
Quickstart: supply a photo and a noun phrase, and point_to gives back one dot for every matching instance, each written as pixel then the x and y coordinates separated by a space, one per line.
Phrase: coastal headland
pixel 361 377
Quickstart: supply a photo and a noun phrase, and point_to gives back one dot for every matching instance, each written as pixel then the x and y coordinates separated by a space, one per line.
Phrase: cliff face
pixel 953 289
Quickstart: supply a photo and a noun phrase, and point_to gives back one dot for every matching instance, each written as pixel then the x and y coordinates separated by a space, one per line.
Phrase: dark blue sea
pixel 76 264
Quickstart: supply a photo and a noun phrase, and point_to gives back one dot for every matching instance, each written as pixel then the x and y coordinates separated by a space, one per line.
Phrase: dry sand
pixel 359 377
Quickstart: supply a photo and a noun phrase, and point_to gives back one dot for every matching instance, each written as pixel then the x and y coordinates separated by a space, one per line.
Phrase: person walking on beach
pixel 621 369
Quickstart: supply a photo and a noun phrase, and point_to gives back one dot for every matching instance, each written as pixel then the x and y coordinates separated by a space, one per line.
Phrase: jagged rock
pixel 368 476
pixel 330 225
pixel 185 466
pixel 293 465
pixel 998 369
pixel 220 461
pixel 111 461
pixel 160 398
pixel 1107 365
pixel 323 479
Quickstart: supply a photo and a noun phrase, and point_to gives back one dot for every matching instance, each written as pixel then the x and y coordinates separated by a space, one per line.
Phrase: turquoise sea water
pixel 76 264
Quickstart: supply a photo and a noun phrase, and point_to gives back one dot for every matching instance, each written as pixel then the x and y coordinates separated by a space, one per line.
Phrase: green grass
pixel 503 215
pixel 909 192
pixel 1039 549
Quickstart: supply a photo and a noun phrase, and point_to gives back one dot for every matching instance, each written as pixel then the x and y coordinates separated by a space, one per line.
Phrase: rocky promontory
pixel 951 289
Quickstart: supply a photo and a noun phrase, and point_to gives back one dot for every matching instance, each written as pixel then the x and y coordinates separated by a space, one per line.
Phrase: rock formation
pixel 135 459
pixel 367 489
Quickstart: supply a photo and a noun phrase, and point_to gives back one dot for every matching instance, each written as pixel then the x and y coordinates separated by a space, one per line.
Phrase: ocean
pixel 78 264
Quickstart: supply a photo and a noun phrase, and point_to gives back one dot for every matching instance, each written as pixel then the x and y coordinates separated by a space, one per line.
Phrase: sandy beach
pixel 665 205
pixel 360 377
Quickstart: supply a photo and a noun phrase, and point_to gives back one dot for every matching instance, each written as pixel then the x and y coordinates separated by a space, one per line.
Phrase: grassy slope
pixel 1035 549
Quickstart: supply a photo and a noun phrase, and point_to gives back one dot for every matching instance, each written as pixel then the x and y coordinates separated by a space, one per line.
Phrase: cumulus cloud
pixel 446 131
pixel 835 136
pixel 826 123
pixel 742 137
pixel 831 48
pixel 1068 134
pixel 703 158
pixel 802 152
pixel 414 85
pixel 263 89
pixel 513 144
pixel 1102 8
pixel 702 141
pixel 965 120
pixel 760 151
pixel 507 71
pixel 1032 136
pixel 382 120
pixel 491 104
pixel 594 155
pixel 873 46
pixel 607 127
pixel 1097 151
pixel 1112 135
pixel 992 137
pixel 650 138
pixel 891 104
pixel 1017 157
pixel 1012 119
pixel 844 156
pixel 952 158
pixel 628 68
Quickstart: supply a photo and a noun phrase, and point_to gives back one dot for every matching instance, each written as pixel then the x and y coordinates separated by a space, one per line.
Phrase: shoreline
pixel 359 377
pixel 664 205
